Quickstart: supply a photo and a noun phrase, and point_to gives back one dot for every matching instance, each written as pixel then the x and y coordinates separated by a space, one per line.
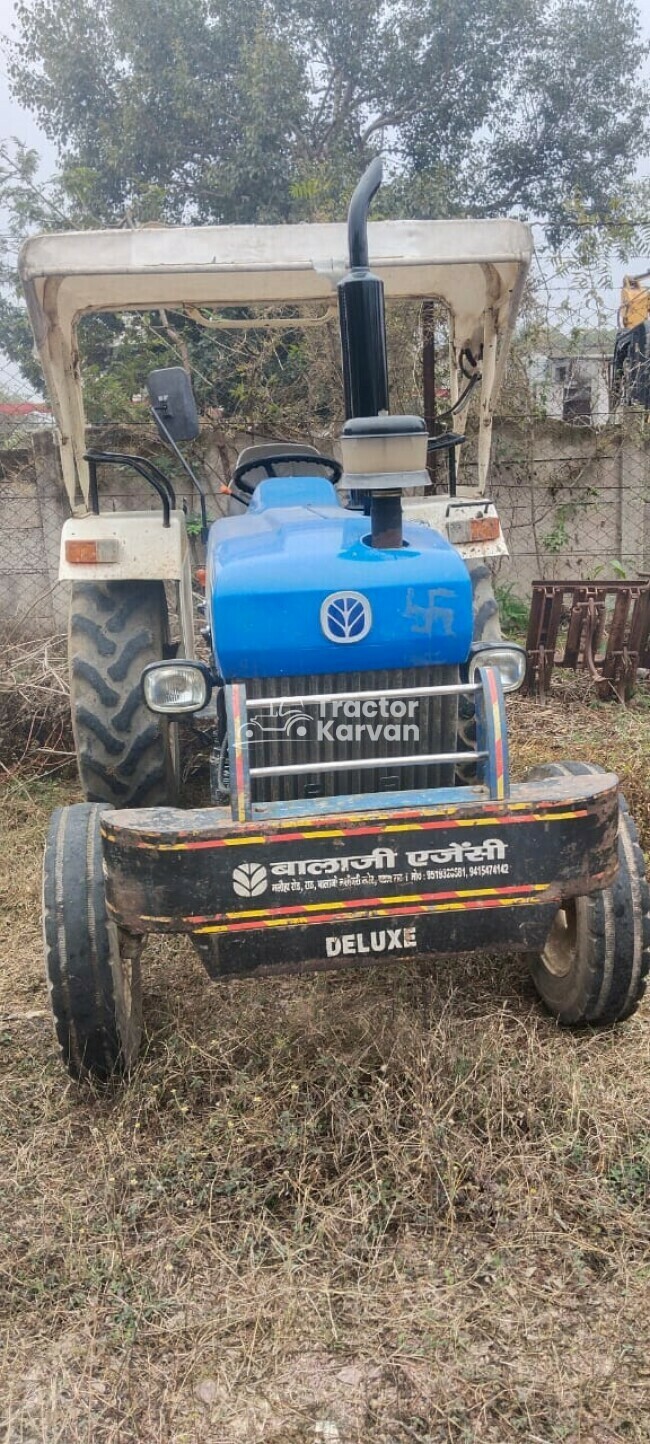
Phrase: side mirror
pixel 173 404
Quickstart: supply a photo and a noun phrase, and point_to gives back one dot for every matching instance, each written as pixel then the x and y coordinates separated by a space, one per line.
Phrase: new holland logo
pixel 250 879
pixel 346 617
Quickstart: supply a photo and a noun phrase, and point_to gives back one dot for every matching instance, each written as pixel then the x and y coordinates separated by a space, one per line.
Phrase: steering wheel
pixel 269 464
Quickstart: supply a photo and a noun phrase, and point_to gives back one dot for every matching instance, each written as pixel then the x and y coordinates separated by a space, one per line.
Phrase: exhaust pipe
pixel 358 214
pixel 361 311
pixel 363 343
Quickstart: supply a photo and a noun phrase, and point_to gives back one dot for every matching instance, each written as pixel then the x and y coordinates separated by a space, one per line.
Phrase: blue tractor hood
pixel 294 587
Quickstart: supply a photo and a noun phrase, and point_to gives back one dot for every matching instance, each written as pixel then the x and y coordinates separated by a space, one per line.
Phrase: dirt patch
pixel 391 1208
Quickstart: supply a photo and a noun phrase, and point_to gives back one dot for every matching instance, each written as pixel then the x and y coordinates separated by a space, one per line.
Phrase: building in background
pixel 570 379
pixel 20 419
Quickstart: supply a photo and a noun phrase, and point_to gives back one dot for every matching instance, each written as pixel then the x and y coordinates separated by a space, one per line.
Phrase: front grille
pixel 323 732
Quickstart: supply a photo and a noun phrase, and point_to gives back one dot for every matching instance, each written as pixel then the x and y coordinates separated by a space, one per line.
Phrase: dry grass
pixel 35 730
pixel 402 1209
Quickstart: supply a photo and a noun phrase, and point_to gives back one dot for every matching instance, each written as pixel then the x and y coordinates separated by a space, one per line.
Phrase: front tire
pixel 594 966
pixel 92 967
pixel 126 755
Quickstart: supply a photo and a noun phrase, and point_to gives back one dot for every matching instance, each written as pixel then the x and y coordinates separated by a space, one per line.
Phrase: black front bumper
pixel 351 888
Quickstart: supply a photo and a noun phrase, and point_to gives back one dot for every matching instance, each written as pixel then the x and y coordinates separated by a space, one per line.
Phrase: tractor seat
pixel 240 495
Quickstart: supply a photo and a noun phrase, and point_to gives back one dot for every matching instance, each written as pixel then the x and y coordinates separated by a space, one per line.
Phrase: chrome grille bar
pixel 448 689
pixel 357 762
pixel 429 695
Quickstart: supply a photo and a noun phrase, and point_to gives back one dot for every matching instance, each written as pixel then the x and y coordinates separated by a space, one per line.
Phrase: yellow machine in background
pixel 635 301
pixel 630 370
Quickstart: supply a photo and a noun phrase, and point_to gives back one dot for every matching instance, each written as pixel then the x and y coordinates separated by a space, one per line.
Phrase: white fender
pixel 132 546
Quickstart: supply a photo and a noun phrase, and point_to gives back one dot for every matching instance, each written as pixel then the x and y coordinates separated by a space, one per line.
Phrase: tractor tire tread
pixel 484 616
pixel 626 991
pixel 84 671
pixel 98 593
pixel 103 644
pixel 94 724
pixel 122 614
pixel 147 739
pixel 133 647
pixel 106 781
pixel 122 720
pixel 98 1034
pixel 616 923
pixel 126 755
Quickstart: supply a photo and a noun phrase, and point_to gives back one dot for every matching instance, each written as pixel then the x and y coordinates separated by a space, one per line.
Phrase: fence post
pixel 632 463
pixel 54 510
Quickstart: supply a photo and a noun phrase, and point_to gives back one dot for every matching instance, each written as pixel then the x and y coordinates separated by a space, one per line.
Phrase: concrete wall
pixel 574 502
pixel 33 508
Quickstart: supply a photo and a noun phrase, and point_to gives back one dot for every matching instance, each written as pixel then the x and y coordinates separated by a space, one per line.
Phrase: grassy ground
pixel 399 1209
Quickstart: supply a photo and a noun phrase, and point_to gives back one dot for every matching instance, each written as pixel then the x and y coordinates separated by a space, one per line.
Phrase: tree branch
pixel 344 106
pixel 388 118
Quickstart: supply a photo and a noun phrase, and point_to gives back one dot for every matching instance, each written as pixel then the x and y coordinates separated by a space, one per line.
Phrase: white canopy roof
pixel 477 267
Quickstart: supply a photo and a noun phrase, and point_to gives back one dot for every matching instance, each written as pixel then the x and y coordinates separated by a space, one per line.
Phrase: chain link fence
pixel 32 510
pixel 34 506
pixel 574 501
pixel 571 479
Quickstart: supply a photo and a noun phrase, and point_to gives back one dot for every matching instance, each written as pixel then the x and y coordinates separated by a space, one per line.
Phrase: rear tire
pixel 594 966
pixel 92 967
pixel 126 755
pixel 487 628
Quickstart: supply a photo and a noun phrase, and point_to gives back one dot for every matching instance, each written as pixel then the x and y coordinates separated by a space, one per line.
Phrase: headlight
pixel 176 687
pixel 507 657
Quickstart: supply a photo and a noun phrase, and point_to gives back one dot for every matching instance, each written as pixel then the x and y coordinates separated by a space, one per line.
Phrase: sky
pixel 14 121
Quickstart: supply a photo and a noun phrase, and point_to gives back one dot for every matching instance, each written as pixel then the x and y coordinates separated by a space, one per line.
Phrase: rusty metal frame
pixel 624 632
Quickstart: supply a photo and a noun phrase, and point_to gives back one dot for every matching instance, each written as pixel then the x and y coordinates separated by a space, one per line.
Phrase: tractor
pixel 361 810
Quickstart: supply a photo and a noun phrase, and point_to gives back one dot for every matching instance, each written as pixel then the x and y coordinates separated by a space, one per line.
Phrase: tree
pixel 575 119
pixel 267 110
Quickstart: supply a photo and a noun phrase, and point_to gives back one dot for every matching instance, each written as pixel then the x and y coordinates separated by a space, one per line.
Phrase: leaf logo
pixel 346 617
pixel 250 879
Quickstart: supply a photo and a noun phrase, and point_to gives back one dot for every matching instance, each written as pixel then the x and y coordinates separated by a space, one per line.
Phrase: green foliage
pixel 197 111
pixel 557 538
pixel 513 613
pixel 574 118
pixel 630 1177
